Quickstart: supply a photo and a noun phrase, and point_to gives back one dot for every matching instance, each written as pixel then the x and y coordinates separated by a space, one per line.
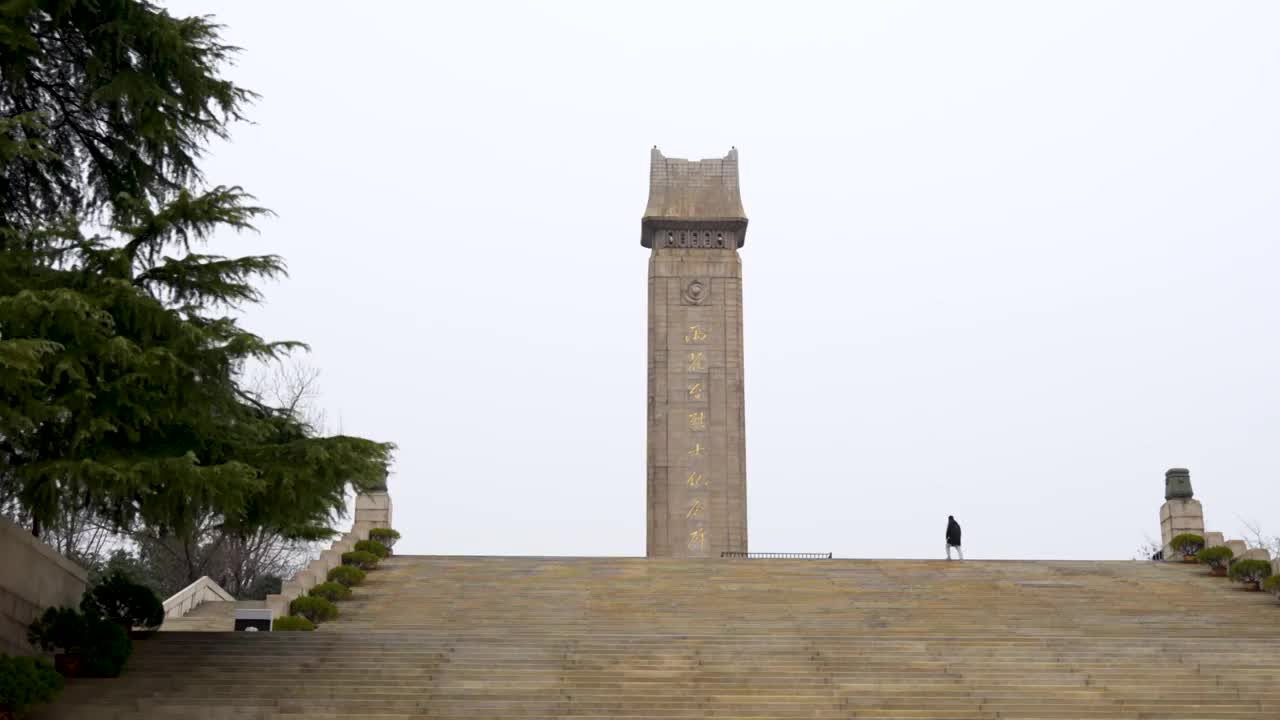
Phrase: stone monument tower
pixel 697 486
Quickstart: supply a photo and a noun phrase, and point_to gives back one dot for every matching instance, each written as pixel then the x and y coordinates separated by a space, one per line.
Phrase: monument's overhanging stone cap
pixel 693 195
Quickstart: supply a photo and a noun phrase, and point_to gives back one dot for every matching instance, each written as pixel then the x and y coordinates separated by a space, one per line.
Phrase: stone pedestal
pixel 372 510
pixel 1177 516
pixel 1238 548
pixel 1257 554
pixel 1214 539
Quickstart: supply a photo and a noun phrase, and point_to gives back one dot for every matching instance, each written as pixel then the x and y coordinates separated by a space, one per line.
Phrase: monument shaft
pixel 694 223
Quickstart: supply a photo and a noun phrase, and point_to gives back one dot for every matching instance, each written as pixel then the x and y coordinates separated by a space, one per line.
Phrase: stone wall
pixel 33 576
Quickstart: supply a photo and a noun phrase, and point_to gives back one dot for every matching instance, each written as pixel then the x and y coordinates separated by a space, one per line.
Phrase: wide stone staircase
pixel 458 637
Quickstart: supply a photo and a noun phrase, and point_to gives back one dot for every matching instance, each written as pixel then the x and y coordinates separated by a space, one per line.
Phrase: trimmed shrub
pixel 1187 543
pixel 1217 558
pixel 347 575
pixel 25 682
pixel 1250 572
pixel 386 536
pixel 315 609
pixel 107 649
pixel 123 602
pixel 373 547
pixel 1272 585
pixel 331 591
pixel 102 644
pixel 58 630
pixel 291 624
pixel 361 559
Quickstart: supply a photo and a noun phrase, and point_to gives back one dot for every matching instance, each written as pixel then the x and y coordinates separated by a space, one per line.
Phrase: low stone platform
pixel 455 637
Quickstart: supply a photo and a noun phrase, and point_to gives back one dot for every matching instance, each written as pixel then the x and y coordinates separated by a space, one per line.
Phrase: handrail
pixel 775 556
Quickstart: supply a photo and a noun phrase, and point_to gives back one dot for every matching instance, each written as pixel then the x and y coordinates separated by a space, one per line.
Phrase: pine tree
pixel 120 363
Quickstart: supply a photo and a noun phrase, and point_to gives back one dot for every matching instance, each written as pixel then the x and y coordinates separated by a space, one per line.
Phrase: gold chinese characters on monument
pixel 698 481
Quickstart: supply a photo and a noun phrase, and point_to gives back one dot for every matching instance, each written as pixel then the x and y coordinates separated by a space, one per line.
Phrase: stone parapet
pixel 33 576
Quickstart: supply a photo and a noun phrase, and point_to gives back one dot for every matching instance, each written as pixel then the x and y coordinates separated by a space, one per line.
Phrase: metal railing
pixel 775 556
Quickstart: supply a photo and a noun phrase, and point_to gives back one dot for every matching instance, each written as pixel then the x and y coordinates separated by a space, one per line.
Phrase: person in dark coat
pixel 953 537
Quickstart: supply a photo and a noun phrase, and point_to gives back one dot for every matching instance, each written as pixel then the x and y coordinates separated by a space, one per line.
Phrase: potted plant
pixel 1250 572
pixel 292 623
pixel 84 645
pixel 1272 585
pixel 373 547
pixel 331 591
pixel 315 609
pixel 386 536
pixel 361 559
pixel 24 682
pixel 1187 544
pixel 1218 558
pixel 347 575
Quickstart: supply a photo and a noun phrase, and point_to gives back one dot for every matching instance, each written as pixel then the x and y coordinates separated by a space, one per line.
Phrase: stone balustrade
pixel 192 596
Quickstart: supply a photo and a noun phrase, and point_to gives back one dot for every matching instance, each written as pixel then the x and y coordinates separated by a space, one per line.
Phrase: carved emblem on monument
pixel 695 293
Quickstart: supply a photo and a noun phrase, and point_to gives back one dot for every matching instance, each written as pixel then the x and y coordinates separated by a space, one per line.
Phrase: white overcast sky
pixel 1007 260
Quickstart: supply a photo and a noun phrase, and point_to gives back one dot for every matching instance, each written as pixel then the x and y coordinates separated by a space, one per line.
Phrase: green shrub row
pixel 318 604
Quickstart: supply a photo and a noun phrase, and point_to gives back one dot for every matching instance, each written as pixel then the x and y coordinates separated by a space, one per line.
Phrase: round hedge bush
pixel 315 609
pixel 361 559
pixel 1250 572
pixel 1272 585
pixel 1187 543
pixel 291 624
pixel 386 536
pixel 331 591
pixel 124 602
pixel 346 575
pixel 26 681
pixel 1217 558
pixel 373 547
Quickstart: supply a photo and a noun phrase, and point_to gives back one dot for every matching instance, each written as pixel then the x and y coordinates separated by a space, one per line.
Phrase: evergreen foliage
pixel 331 591
pixel 1250 572
pixel 103 644
pixel 1272 585
pixel 1217 557
pixel 386 536
pixel 361 559
pixel 26 681
pixel 315 609
pixel 124 602
pixel 373 547
pixel 291 623
pixel 1187 543
pixel 346 575
pixel 120 357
